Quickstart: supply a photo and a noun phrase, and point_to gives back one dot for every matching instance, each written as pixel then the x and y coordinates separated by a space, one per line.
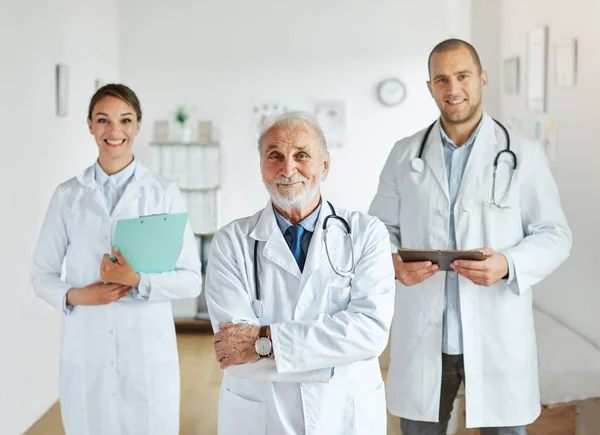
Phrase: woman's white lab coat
pixel 498 332
pixel 318 321
pixel 119 369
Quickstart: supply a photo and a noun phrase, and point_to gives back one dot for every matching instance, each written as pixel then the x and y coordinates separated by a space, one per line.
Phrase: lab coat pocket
pixel 240 416
pixel 338 298
pixel 369 412
pixel 505 226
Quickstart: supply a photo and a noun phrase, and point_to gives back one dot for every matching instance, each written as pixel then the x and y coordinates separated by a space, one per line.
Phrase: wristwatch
pixel 263 345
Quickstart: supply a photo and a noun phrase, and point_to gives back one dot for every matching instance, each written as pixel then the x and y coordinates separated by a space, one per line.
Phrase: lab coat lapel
pixel 481 160
pixel 434 157
pixel 316 255
pixel 87 177
pixel 276 250
pixel 95 198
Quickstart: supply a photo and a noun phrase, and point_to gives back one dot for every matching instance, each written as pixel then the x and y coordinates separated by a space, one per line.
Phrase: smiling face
pixel 456 84
pixel 114 125
pixel 293 167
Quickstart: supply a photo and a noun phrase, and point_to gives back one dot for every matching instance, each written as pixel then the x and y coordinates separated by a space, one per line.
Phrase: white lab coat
pixel 498 333
pixel 318 321
pixel 119 369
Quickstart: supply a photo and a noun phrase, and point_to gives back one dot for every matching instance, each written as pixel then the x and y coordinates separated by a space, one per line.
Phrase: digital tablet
pixel 442 258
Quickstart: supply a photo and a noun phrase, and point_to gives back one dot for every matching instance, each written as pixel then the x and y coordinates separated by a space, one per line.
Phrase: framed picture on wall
pixel 537 68
pixel 511 76
pixel 62 90
pixel 566 62
pixel 161 131
pixel 331 116
pixel 204 132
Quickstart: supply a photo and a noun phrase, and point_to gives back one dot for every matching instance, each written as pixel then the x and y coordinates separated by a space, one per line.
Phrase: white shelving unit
pixel 195 167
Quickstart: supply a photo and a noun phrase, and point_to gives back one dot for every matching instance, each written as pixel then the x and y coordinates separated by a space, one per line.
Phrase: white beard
pixel 288 200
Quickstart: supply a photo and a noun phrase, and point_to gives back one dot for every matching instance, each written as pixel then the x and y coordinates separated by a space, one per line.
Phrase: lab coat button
pixel 111 332
pixel 302 306
pixel 112 363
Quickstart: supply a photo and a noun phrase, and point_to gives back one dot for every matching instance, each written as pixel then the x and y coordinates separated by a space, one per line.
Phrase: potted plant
pixel 182 114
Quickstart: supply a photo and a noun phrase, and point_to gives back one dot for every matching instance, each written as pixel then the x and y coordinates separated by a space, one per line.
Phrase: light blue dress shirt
pixel 455 159
pixel 113 186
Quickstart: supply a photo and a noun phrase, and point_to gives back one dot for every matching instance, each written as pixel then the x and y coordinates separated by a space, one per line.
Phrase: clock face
pixel 391 92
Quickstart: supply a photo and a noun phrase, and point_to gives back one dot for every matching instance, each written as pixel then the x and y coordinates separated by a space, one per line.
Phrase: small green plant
pixel 182 115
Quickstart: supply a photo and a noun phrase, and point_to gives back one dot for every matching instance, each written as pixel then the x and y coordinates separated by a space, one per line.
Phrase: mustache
pixel 293 179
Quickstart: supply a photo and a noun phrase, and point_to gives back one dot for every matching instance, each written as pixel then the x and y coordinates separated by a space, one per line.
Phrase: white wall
pixel 486 37
pixel 222 57
pixel 571 294
pixel 39 150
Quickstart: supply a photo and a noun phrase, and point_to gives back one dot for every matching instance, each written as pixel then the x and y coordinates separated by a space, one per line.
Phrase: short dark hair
pixel 119 91
pixel 451 45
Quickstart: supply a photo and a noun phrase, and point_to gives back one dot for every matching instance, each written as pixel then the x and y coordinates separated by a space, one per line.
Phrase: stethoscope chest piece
pixel 418 164
pixel 258 308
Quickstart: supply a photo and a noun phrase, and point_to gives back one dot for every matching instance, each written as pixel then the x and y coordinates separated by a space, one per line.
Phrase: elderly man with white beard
pixel 300 296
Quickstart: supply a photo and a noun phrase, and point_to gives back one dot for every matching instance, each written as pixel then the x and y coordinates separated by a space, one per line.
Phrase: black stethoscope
pixel 418 164
pixel 257 305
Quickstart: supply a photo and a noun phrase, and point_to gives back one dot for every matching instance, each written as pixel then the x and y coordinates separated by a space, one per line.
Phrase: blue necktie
pixel 297 231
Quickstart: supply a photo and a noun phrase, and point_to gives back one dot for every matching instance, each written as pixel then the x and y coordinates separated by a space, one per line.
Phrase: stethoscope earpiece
pixel 417 164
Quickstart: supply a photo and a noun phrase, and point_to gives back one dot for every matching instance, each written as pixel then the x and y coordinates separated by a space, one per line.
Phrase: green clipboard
pixel 151 244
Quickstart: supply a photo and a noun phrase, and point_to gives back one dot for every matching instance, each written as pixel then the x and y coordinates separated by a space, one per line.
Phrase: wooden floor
pixel 200 380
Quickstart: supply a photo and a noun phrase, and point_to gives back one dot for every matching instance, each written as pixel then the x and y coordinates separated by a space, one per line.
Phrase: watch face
pixel 263 346
pixel 391 92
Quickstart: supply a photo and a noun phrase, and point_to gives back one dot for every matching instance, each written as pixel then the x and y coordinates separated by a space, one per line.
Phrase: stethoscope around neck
pixel 418 164
pixel 258 306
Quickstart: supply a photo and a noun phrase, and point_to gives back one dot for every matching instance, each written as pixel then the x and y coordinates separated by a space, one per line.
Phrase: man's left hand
pixel 234 344
pixel 118 272
pixel 486 272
